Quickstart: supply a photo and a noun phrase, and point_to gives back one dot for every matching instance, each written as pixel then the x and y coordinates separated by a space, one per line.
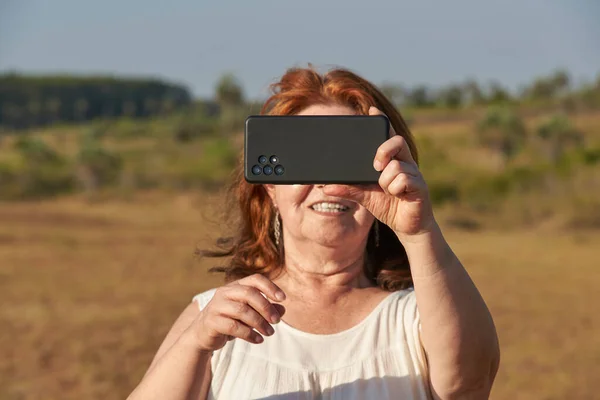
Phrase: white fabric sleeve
pixel 203 298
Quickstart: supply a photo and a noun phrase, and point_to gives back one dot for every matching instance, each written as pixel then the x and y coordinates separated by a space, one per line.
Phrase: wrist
pixel 430 232
pixel 428 252
pixel 189 339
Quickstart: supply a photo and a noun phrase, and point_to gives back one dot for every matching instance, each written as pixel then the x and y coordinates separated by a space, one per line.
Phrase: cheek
pixel 292 195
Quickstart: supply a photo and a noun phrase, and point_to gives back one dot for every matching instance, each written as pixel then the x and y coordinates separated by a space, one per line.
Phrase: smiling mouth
pixel 329 207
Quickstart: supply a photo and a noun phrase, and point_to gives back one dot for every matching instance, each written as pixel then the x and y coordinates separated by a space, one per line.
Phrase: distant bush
pixel 41 171
pixel 503 131
pixel 591 156
pixel 207 169
pixel 232 120
pixel 556 135
pixel 190 129
pixel 443 192
pixel 96 166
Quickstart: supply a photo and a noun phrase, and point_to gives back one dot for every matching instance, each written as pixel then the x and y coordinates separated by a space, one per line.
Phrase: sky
pixel 193 42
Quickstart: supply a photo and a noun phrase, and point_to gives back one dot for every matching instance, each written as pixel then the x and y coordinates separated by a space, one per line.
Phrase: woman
pixel 334 291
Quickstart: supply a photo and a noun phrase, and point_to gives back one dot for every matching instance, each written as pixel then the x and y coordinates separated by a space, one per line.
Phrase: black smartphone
pixel 313 149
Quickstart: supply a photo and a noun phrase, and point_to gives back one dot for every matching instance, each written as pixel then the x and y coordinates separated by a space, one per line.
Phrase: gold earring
pixel 277 228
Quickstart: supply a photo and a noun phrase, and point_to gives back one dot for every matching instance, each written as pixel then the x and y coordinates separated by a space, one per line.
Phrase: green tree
pixel 34 108
pixel 556 135
pixel 561 81
pixel 229 92
pixel 419 96
pixel 151 106
pixel 503 131
pixel 53 107
pixel 81 108
pixel 548 87
pixel 129 108
pixel 451 96
pixel 12 114
pixel 473 93
pixel 97 166
pixel 498 94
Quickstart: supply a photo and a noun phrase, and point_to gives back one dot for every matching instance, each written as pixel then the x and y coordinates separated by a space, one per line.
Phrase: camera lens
pixel 268 170
pixel 279 170
pixel 262 159
pixel 256 170
pixel 274 159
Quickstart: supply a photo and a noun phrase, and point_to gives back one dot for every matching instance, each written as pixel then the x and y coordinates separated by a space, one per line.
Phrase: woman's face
pixel 308 215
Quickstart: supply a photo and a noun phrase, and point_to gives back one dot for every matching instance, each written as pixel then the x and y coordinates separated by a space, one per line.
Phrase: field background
pixel 92 280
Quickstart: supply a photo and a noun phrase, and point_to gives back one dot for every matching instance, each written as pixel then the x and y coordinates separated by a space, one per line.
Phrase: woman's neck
pixel 326 274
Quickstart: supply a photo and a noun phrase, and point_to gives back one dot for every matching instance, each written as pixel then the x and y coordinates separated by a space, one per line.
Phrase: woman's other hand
pixel 239 310
pixel 401 200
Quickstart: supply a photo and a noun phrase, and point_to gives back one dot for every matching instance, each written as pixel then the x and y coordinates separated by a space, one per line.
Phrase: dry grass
pixel 90 289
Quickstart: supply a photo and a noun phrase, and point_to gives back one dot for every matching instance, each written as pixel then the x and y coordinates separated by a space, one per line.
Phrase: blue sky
pixel 194 42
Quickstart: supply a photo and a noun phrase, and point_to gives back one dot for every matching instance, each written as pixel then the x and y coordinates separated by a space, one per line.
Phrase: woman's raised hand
pixel 401 199
pixel 239 310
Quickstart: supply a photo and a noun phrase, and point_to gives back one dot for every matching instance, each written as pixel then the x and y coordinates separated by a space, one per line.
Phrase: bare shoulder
pixel 182 322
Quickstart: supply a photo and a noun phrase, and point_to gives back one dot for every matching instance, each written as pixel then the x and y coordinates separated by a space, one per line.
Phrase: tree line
pixel 31 101
pixel 557 85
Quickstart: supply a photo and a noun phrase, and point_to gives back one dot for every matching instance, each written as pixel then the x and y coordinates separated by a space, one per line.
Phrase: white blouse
pixel 380 358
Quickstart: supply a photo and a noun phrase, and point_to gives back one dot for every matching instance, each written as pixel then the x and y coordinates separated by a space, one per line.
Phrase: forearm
pixel 181 371
pixel 458 332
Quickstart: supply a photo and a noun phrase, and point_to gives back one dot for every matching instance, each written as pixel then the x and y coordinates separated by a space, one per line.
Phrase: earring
pixel 277 228
pixel 376 233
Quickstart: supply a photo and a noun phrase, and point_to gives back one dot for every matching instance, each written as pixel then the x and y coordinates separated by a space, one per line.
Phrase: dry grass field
pixel 89 289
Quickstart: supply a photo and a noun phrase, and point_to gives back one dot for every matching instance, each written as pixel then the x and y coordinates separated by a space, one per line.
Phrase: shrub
pixel 42 171
pixel 556 135
pixel 97 166
pixel 503 131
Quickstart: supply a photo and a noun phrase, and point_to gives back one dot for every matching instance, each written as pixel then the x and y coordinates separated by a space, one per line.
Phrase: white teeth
pixel 329 207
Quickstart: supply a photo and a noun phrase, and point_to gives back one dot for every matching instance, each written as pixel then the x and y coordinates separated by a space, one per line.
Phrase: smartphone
pixel 313 149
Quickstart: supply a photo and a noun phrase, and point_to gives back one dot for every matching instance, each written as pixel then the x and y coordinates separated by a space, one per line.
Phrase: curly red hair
pixel 252 247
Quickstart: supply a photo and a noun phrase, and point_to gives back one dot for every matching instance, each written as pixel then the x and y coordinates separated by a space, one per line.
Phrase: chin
pixel 336 240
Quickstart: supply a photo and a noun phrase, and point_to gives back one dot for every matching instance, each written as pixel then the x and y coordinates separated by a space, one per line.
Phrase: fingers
pixel 393 148
pixel 242 310
pixel 404 184
pixel 234 329
pixel 393 170
pixel 266 286
pixel 398 177
pixel 252 297
pixel 247 315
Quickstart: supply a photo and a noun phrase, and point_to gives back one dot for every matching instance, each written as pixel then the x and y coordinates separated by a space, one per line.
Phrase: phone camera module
pixel 262 159
pixel 256 170
pixel 279 170
pixel 274 159
pixel 268 170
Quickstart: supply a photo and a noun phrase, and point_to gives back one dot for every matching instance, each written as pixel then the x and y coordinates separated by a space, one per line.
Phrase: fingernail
pixel 279 295
pixel 258 338
pixel 275 318
pixel 377 165
pixel 270 330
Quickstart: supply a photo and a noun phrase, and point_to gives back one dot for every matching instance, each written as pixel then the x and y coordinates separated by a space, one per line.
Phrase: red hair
pixel 252 247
